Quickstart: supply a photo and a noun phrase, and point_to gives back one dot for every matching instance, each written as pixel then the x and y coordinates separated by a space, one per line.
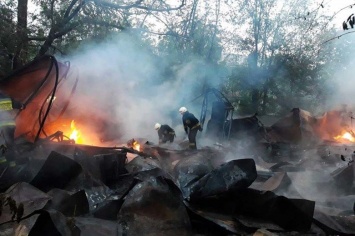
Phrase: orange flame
pixel 74 135
pixel 346 136
pixel 136 146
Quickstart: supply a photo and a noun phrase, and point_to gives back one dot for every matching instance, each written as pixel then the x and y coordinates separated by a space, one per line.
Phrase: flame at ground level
pixel 74 135
pixel 346 136
pixel 82 133
pixel 75 131
pixel 136 146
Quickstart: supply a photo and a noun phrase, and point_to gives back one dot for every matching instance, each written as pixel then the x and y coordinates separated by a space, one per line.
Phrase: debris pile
pixel 68 189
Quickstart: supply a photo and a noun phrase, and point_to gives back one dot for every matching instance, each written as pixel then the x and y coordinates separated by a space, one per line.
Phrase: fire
pixel 74 135
pixel 346 136
pixel 136 146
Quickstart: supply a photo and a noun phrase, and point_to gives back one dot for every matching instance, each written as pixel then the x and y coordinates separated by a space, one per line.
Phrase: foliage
pixel 61 24
pixel 7 44
pixel 279 55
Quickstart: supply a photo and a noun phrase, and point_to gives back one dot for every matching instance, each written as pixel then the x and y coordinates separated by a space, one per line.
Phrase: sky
pixel 336 5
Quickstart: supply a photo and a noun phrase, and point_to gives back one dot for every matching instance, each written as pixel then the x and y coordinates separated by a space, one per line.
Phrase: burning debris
pixel 346 136
pixel 134 145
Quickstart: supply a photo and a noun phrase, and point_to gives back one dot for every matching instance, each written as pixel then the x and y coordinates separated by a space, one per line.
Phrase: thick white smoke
pixel 129 80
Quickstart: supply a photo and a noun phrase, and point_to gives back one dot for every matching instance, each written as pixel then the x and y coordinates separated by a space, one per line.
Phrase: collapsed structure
pixel 294 176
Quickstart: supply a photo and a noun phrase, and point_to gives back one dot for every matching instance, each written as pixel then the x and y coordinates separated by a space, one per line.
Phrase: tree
pixel 21 34
pixel 60 21
pixel 279 36
pixel 191 36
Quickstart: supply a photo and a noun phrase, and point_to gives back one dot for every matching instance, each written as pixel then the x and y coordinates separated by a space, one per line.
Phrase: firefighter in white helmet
pixel 191 126
pixel 165 133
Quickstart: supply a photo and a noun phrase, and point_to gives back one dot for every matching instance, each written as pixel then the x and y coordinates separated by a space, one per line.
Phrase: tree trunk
pixel 255 99
pixel 254 80
pixel 21 52
pixel 265 97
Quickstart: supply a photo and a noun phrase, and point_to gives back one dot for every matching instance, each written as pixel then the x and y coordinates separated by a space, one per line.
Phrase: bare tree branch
pixel 66 14
pixel 170 33
pixel 102 23
pixel 138 5
pixel 36 38
pixel 331 18
pixel 73 14
pixel 337 37
pixel 64 26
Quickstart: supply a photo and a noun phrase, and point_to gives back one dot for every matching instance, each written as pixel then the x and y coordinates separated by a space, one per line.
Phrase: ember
pixel 346 136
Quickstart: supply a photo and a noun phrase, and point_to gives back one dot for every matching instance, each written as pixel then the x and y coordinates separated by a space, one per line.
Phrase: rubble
pixel 174 192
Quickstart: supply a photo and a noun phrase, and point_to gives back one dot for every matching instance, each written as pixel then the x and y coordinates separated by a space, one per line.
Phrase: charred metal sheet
pixel 141 164
pixel 344 178
pixel 312 184
pixel 296 127
pixel 12 175
pixel 334 210
pixel 105 167
pixel 190 171
pixel 212 156
pixel 98 195
pixel 54 223
pixel 97 227
pixel 196 182
pixel 109 211
pixel 25 199
pixel 253 223
pixel 234 175
pixel 57 171
pixel 112 166
pixel 57 196
pixel 70 205
pixel 143 168
pixel 154 207
pixel 279 180
pixel 212 221
pixel 335 225
pixel 289 214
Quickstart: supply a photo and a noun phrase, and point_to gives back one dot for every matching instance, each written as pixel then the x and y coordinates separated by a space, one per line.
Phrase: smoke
pixel 130 85
pixel 340 87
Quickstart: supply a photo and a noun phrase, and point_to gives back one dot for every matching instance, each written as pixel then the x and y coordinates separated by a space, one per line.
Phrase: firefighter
pixel 165 133
pixel 7 131
pixel 191 126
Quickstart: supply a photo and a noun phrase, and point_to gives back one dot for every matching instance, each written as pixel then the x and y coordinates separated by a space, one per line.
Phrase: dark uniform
pixel 166 133
pixel 7 129
pixel 191 126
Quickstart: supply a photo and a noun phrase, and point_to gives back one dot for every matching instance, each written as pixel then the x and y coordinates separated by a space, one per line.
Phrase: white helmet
pixel 157 126
pixel 182 110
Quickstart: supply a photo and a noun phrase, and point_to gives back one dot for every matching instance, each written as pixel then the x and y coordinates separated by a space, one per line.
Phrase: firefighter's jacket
pixel 165 132
pixel 190 121
pixel 6 112
pixel 7 125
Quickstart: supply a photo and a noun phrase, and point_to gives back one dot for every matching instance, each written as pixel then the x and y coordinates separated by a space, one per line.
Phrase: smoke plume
pixel 129 82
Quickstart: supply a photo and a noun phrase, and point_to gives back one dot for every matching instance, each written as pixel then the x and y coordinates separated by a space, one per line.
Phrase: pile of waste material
pixel 70 189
